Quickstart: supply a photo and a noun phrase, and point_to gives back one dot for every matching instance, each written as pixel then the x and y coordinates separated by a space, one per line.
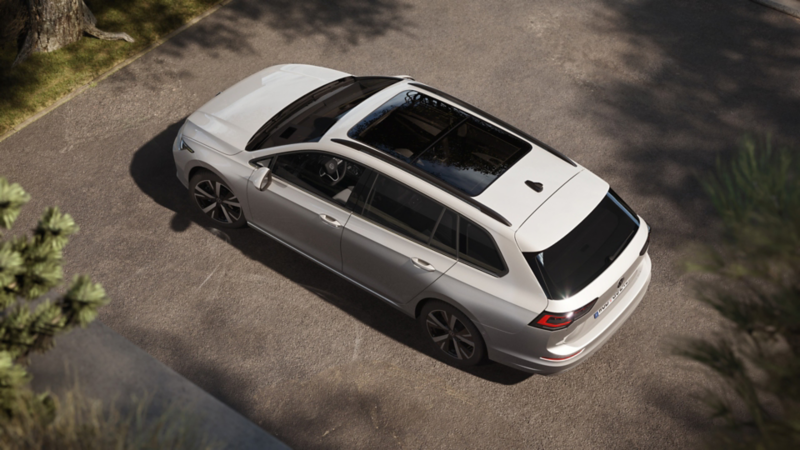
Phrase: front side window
pixel 323 174
pixel 403 210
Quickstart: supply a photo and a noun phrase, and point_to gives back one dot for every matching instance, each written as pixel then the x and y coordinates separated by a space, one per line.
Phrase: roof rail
pixel 466 105
pixel 425 176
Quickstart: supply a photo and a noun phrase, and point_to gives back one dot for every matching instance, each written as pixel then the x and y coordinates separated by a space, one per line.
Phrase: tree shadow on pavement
pixel 695 77
pixel 341 23
pixel 153 170
pixel 685 80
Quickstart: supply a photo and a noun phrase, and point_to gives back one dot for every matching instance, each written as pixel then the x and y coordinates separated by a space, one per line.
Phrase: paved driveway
pixel 644 93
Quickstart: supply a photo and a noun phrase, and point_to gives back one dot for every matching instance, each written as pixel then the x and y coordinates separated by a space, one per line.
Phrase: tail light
pixel 559 321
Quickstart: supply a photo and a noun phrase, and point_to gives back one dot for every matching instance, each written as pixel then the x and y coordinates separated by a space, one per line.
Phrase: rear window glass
pixel 462 150
pixel 587 251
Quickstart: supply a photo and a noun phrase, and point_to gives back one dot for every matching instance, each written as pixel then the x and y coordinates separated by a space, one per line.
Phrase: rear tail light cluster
pixel 559 321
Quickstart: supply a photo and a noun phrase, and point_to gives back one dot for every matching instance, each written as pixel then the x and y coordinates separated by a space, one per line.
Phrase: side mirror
pixel 261 178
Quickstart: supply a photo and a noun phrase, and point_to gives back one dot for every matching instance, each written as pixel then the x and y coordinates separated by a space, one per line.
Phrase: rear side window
pixel 421 219
pixel 476 247
pixel 403 210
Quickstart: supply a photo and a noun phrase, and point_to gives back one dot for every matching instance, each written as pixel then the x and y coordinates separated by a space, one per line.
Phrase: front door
pixel 305 204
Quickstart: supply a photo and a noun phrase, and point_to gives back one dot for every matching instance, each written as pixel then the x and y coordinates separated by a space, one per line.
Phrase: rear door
pixel 389 244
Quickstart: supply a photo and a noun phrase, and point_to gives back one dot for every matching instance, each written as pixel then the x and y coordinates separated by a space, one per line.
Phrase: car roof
pixel 509 200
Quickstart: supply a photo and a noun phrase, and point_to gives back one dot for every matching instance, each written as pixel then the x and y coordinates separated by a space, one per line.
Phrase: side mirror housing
pixel 261 178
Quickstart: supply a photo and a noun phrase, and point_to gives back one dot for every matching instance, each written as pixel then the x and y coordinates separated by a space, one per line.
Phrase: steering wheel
pixel 334 169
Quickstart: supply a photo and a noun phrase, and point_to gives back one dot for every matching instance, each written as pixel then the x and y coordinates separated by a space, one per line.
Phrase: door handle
pixel 423 265
pixel 330 220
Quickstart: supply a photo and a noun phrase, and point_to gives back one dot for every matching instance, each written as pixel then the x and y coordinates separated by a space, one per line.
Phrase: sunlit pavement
pixel 644 93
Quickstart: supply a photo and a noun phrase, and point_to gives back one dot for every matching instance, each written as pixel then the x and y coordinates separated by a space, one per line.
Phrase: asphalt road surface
pixel 644 93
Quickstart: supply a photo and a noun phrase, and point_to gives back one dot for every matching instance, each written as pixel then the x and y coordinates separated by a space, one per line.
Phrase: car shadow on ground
pixel 153 170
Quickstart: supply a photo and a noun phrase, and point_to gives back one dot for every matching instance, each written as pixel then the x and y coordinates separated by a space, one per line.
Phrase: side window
pixel 322 174
pixel 444 238
pixel 403 210
pixel 476 247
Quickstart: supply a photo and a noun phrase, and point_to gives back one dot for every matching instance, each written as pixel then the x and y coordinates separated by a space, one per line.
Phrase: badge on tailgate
pixel 620 287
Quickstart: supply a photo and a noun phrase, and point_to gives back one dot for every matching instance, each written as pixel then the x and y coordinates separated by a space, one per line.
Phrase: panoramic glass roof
pixel 460 149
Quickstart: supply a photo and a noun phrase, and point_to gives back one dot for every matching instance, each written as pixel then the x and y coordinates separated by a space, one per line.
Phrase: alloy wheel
pixel 217 201
pixel 450 334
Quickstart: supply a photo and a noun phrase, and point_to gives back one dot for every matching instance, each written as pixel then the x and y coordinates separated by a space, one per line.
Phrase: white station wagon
pixel 500 246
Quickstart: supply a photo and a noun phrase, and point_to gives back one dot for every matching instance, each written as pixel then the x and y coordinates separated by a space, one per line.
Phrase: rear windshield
pixel 311 116
pixel 461 150
pixel 583 254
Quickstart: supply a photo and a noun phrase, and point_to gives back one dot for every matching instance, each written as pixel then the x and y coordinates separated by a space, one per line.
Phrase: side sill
pixel 267 233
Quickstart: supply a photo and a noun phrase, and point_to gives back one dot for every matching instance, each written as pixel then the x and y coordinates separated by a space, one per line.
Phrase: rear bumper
pixel 534 364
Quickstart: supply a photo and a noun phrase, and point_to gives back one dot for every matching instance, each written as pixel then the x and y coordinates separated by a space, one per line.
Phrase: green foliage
pixel 15 398
pixel 81 423
pixel 30 266
pixel 753 282
pixel 12 197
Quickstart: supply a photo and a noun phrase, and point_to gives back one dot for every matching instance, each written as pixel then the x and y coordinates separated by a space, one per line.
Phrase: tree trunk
pixel 53 24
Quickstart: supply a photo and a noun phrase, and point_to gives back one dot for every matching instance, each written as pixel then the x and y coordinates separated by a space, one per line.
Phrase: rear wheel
pixel 212 196
pixel 453 336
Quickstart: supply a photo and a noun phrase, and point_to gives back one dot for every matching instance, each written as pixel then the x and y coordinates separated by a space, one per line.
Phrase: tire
pixel 453 337
pixel 214 199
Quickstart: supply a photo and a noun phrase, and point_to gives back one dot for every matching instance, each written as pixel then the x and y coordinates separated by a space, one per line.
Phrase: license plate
pixel 611 300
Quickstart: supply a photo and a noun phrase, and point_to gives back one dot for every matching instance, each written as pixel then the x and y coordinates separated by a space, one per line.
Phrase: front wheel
pixel 212 196
pixel 453 336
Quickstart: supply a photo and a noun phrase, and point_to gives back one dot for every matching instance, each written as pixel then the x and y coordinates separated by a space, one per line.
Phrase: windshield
pixel 583 254
pixel 459 149
pixel 311 116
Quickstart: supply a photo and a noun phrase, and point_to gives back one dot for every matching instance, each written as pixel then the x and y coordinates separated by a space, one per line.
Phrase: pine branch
pixel 12 197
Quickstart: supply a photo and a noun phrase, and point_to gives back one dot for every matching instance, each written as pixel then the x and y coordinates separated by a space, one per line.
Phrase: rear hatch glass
pixel 582 255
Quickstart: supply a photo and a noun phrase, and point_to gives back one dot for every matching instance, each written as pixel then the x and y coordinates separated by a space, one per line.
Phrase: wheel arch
pixel 199 167
pixel 239 189
pixel 425 299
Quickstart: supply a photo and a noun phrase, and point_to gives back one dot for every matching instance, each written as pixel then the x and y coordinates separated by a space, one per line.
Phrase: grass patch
pixel 83 423
pixel 43 78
